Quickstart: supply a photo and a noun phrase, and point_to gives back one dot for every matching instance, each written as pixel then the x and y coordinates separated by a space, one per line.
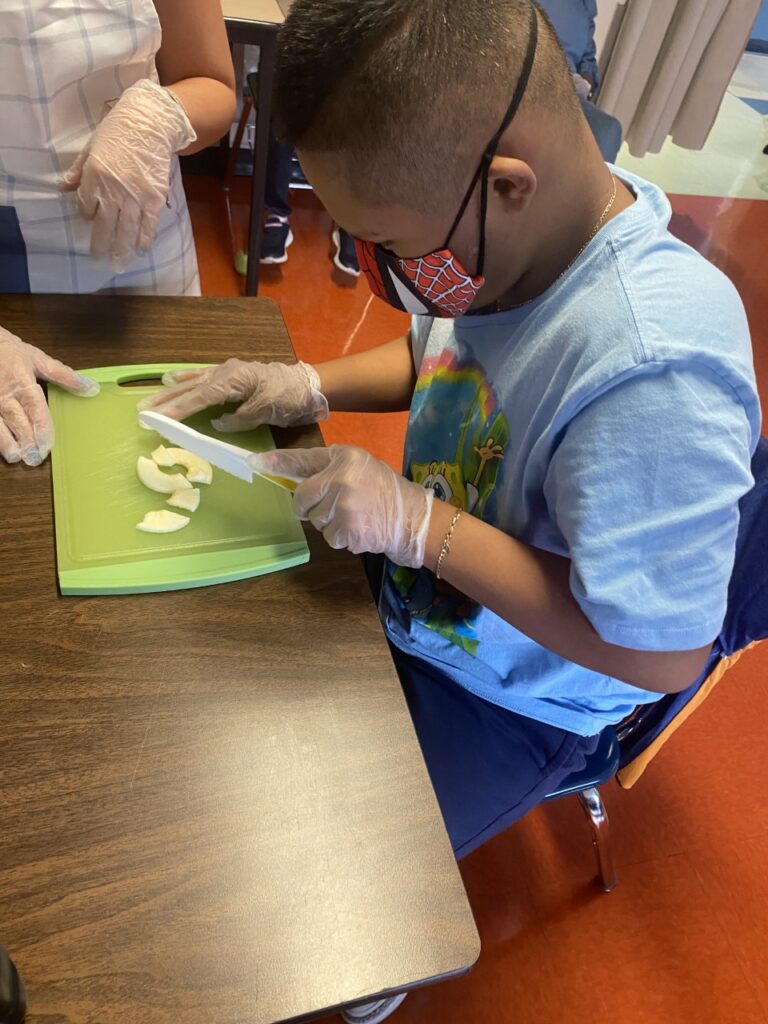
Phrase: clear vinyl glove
pixel 122 176
pixel 273 393
pixel 356 501
pixel 26 428
pixel 582 86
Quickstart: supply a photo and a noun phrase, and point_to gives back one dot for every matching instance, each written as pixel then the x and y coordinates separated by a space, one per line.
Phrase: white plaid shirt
pixel 63 64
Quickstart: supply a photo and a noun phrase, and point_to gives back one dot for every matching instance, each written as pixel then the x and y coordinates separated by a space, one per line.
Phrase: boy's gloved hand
pixel 269 392
pixel 356 501
pixel 122 176
pixel 26 428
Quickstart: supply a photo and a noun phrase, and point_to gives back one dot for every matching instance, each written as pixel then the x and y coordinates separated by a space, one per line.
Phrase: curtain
pixel 667 65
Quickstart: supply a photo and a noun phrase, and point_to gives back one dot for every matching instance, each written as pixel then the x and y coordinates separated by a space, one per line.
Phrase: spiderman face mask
pixel 437 284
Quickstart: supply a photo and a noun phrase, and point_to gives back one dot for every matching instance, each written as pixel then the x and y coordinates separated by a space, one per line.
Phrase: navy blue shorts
pixel 488 765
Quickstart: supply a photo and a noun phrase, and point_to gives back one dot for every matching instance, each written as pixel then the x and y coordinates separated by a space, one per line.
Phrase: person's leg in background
pixel 277 230
pixel 574 25
pixel 345 257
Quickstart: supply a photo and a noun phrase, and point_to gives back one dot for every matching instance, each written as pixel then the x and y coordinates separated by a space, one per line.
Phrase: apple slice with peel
pixel 162 521
pixel 198 470
pixel 155 479
pixel 188 500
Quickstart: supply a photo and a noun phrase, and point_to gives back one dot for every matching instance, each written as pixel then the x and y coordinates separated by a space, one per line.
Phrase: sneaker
pixel 372 1013
pixel 345 256
pixel 275 240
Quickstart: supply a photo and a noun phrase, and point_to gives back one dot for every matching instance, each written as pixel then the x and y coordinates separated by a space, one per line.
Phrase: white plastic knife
pixel 236 461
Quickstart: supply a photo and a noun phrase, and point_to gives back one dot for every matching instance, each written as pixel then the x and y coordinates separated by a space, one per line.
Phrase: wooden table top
pixel 270 12
pixel 213 807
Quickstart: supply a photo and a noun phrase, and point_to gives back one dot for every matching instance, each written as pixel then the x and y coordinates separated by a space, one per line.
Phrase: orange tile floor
pixel 683 939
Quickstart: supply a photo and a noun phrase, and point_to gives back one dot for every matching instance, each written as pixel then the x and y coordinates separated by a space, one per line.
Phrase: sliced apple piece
pixel 188 500
pixel 198 470
pixel 155 479
pixel 162 521
pixel 163 456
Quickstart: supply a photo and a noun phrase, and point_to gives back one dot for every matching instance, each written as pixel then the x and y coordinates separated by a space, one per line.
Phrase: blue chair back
pixel 746 619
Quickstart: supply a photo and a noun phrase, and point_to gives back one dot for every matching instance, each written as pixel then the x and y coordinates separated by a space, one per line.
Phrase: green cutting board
pixel 239 529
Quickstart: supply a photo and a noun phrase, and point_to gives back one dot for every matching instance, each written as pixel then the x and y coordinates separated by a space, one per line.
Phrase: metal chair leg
pixel 260 85
pixel 594 808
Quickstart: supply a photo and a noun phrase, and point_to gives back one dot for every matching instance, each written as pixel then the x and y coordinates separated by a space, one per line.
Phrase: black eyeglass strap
pixel 490 149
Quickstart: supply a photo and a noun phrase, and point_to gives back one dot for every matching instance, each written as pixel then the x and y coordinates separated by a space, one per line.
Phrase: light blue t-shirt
pixel 611 421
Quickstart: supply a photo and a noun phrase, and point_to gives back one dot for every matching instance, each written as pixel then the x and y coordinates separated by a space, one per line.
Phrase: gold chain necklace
pixel 593 232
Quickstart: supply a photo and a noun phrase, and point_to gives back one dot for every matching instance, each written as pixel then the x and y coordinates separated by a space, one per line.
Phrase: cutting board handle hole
pixel 139 382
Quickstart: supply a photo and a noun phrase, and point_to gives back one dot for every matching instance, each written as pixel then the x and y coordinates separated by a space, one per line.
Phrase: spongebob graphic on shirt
pixel 457 439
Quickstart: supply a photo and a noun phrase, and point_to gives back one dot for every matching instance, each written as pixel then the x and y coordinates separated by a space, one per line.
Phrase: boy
pixel 581 392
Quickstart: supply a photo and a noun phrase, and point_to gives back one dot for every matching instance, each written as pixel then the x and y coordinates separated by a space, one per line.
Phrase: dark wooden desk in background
pixel 213 808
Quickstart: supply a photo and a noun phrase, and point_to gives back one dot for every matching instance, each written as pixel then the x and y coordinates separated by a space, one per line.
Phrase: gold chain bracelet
pixel 446 545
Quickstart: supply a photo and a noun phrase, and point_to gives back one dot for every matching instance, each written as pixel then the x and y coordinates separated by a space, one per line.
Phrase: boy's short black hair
pixel 404 89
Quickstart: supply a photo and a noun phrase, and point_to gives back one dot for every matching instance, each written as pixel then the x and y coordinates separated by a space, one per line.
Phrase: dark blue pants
pixel 278 177
pixel 488 765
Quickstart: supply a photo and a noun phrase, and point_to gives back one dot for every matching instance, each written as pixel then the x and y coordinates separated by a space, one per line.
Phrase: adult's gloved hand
pixel 582 85
pixel 26 428
pixel 122 176
pixel 268 392
pixel 356 501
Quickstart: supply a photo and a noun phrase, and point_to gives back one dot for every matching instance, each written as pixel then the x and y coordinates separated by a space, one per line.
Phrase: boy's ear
pixel 512 179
